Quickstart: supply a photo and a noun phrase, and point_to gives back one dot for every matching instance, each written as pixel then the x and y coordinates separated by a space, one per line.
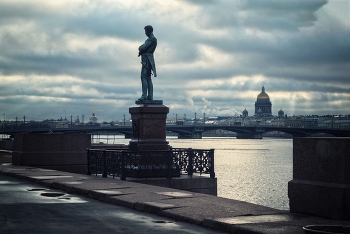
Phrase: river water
pixel 251 170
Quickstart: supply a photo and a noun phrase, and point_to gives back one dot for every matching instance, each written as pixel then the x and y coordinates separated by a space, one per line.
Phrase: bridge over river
pixel 191 131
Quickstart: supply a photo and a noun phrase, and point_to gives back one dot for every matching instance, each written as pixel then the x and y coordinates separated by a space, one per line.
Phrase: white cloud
pixel 212 56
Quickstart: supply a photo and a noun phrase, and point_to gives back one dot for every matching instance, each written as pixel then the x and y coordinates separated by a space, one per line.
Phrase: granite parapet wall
pixel 321 177
pixel 65 152
pixel 6 144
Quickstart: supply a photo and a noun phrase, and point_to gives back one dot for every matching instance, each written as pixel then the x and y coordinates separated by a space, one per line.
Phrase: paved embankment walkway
pixel 205 210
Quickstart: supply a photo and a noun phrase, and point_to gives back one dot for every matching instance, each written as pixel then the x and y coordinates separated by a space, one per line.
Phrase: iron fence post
pixel 122 159
pixel 113 166
pixel 104 166
pixel 190 161
pixel 212 172
pixel 96 165
pixel 88 162
pixel 169 162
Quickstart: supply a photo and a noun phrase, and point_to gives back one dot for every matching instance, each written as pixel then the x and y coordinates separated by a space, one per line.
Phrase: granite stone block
pixel 149 127
pixel 321 178
pixel 65 152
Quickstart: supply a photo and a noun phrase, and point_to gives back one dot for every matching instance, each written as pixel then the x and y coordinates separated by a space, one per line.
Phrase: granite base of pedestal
pixel 148 127
pixel 321 178
pixel 64 152
pixel 143 145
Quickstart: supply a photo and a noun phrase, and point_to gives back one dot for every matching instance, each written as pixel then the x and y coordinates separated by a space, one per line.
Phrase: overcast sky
pixel 62 57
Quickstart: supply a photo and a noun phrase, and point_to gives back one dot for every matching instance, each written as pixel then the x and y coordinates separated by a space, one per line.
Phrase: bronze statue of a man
pixel 148 65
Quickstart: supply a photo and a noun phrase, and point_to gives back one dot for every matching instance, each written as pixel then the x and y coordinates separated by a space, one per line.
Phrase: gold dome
pixel 263 96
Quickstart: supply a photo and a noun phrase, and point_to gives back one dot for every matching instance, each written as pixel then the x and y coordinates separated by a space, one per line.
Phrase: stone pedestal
pixel 321 177
pixel 64 152
pixel 149 126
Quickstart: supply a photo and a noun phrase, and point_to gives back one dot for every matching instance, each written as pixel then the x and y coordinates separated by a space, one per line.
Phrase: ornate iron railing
pixel 147 164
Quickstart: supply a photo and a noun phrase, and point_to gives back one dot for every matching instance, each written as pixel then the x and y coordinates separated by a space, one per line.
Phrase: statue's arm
pixel 148 43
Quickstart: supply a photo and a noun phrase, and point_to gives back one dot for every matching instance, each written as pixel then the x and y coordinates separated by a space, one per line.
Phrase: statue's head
pixel 148 29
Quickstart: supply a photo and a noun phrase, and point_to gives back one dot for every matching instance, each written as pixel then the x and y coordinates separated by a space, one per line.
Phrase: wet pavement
pixel 26 207
pixel 48 201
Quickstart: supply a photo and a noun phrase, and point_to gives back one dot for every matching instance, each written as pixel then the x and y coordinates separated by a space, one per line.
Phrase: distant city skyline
pixel 65 57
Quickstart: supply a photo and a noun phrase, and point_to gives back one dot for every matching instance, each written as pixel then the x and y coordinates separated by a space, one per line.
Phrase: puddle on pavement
pixel 36 189
pixel 52 194
pixel 162 221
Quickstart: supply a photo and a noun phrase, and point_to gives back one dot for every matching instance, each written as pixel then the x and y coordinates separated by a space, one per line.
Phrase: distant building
pixel 309 122
pixel 245 113
pixel 281 114
pixel 293 122
pixel 63 124
pixel 263 105
pixel 334 122
pixel 93 118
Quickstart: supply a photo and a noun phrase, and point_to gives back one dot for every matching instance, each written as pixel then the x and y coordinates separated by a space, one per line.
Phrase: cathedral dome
pixel 263 96
pixel 263 105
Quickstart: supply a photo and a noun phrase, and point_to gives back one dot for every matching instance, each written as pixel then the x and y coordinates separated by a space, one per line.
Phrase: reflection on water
pixel 255 171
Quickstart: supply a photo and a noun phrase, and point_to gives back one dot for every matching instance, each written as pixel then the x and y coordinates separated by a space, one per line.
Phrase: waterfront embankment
pixel 206 210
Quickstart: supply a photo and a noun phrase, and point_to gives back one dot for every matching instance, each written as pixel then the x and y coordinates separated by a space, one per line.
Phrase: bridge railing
pixel 147 164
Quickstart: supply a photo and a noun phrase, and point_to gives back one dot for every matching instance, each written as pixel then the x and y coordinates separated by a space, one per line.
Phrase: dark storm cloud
pixel 261 15
pixel 68 89
pixel 11 11
pixel 293 51
pixel 58 64
pixel 100 20
pixel 318 55
pixel 284 15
